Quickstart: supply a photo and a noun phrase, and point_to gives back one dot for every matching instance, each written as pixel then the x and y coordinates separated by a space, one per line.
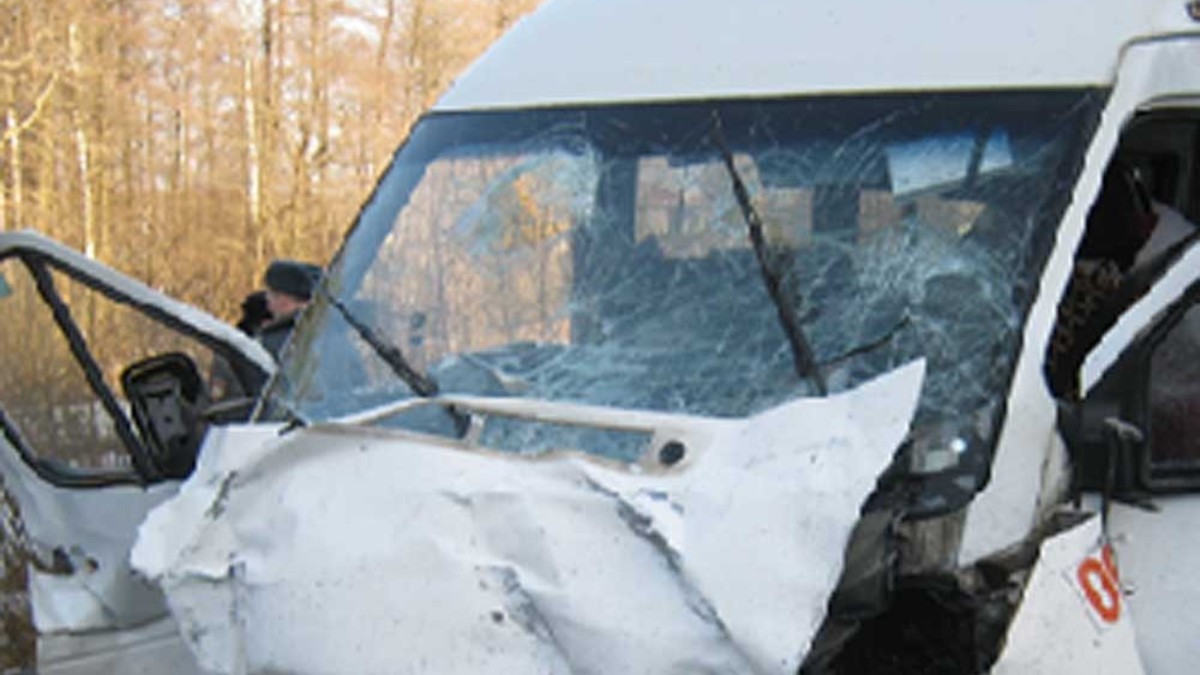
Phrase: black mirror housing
pixel 167 398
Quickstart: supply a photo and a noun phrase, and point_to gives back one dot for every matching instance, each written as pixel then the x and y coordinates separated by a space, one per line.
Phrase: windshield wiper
pixel 802 353
pixel 421 384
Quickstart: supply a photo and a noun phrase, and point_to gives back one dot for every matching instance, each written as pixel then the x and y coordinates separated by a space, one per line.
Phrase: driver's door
pixel 79 465
pixel 1139 453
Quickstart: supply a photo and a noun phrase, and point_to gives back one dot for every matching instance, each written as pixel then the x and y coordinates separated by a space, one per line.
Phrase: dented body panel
pixel 559 563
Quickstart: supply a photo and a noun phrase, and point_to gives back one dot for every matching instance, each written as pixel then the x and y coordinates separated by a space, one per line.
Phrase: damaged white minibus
pixel 766 337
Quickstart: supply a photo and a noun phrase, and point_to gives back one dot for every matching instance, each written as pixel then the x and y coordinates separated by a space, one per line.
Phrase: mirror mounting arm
pixel 1124 439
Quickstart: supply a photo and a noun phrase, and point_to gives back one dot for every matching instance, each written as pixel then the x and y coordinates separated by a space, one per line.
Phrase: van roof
pixel 581 51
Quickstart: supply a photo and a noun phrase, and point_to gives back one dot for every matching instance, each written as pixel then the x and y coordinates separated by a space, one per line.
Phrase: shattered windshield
pixel 599 255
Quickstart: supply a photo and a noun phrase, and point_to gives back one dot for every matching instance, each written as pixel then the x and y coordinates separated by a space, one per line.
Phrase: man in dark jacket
pixel 237 379
pixel 290 285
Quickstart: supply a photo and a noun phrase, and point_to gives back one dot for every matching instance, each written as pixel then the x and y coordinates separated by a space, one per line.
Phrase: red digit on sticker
pixel 1100 589
pixel 1109 563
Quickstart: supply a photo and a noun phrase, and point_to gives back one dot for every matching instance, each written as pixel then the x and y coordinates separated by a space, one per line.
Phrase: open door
pixel 1137 450
pixel 1135 435
pixel 95 370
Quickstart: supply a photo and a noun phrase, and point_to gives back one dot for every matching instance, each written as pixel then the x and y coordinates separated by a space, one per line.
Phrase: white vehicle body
pixel 712 337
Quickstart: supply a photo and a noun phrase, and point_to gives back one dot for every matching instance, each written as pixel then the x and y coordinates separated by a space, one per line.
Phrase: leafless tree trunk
pixel 254 198
pixel 15 167
pixel 82 148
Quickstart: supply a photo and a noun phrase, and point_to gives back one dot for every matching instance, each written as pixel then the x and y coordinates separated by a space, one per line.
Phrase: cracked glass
pixel 599 255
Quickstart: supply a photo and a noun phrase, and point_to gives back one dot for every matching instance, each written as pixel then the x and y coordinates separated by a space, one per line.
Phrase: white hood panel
pixel 346 549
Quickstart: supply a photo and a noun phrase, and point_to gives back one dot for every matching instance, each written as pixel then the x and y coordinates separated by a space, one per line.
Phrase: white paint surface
pixel 1055 632
pixel 574 51
pixel 348 549
pixel 1159 555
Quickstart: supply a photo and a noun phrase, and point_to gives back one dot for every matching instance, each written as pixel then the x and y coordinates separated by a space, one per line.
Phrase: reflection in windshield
pixel 598 255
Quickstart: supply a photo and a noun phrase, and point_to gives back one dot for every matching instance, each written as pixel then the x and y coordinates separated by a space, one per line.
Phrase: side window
pixel 1141 219
pixel 44 392
pixel 62 399
pixel 1173 399
pixel 118 335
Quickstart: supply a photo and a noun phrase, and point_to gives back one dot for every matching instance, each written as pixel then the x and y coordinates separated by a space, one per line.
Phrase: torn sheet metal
pixel 349 549
pixel 1074 617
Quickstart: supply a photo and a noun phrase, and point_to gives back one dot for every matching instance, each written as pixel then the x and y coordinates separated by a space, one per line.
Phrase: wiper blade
pixel 802 353
pixel 421 384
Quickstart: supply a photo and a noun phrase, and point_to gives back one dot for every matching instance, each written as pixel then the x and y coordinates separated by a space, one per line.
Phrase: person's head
pixel 290 285
pixel 255 313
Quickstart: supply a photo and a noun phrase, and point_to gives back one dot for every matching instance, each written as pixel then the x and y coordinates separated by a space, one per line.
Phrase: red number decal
pixel 1098 581
pixel 1106 554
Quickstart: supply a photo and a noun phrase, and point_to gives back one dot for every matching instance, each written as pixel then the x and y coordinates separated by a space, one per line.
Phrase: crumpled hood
pixel 339 548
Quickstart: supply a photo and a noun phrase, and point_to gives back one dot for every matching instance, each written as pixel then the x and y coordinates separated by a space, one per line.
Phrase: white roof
pixel 141 294
pixel 578 51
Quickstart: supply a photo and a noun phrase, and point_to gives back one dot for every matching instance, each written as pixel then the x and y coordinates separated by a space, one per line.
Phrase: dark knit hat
pixel 292 277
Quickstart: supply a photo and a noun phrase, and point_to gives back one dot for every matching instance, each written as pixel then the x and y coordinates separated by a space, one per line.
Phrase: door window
pixel 1174 397
pixel 57 417
pixel 63 348
pixel 1142 219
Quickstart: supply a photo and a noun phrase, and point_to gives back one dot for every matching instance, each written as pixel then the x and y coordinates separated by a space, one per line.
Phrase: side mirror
pixel 1108 453
pixel 1151 392
pixel 166 397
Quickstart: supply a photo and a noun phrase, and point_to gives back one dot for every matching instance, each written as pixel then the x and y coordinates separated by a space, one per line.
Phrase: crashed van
pixel 770 337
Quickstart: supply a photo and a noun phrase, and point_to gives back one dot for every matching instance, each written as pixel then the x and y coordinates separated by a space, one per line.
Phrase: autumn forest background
pixel 187 142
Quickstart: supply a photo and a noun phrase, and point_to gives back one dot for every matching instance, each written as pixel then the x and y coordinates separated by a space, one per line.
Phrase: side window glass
pixel 118 335
pixel 1174 397
pixel 59 417
pixel 43 390
pixel 1135 229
